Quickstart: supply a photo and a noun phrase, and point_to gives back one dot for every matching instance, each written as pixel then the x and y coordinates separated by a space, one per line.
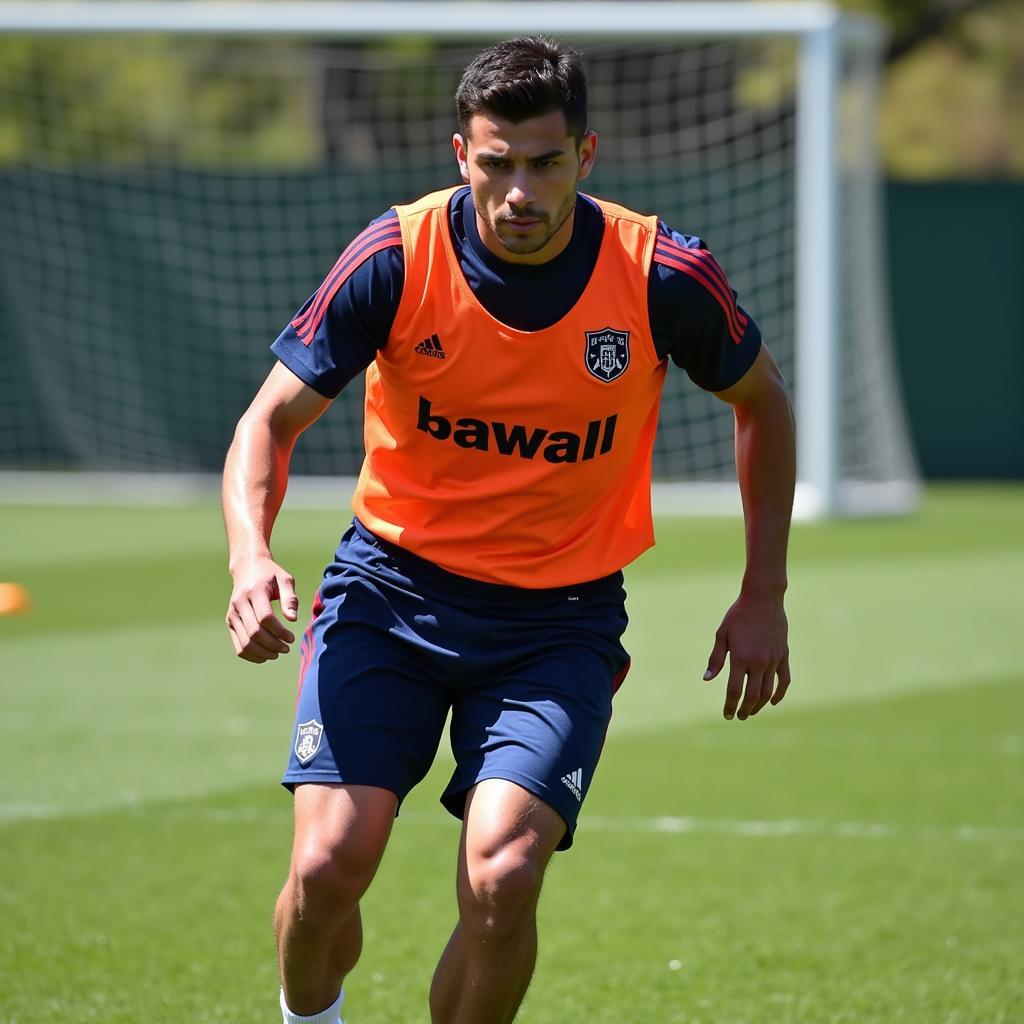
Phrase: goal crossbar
pixel 467 20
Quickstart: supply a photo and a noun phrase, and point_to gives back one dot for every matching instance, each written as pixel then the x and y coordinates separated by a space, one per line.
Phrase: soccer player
pixel 515 335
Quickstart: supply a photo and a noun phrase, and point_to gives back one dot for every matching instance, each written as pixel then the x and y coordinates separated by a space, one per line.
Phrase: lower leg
pixel 508 838
pixel 340 835
pixel 487 984
pixel 313 964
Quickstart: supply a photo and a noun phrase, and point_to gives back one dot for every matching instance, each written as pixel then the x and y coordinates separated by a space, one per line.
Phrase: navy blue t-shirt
pixel 693 313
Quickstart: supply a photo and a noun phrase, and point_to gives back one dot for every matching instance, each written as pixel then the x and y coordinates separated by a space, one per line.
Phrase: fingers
pixel 734 688
pixel 257 634
pixel 242 649
pixel 760 683
pixel 260 636
pixel 251 641
pixel 717 657
pixel 269 621
pixel 289 601
pixel 767 684
pixel 752 696
pixel 784 679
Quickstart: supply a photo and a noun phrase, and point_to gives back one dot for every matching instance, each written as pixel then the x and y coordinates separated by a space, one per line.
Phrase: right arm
pixel 255 480
pixel 333 337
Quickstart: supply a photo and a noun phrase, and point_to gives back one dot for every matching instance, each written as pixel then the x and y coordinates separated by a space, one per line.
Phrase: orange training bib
pixel 515 457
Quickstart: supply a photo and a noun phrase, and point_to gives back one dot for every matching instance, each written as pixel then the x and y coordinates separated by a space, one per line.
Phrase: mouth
pixel 521 223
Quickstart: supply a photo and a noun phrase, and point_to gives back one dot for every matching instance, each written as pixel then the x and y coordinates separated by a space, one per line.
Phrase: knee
pixel 327 882
pixel 500 891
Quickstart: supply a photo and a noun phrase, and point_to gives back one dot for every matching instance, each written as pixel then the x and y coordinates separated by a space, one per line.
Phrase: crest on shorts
pixel 307 740
pixel 607 354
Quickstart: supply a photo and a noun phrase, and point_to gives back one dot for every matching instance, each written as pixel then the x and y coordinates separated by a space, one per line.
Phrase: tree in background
pixel 952 102
pixel 953 97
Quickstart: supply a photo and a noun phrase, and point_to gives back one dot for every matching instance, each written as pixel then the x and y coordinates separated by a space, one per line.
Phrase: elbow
pixel 770 401
pixel 255 438
pixel 247 428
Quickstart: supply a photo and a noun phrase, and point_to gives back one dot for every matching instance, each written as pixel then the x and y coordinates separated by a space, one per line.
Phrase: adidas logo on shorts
pixel 574 780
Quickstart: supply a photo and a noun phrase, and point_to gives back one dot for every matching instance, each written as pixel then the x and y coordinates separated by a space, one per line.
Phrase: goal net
pixel 174 184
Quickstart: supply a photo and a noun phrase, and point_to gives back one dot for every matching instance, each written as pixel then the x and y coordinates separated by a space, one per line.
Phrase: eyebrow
pixel 549 155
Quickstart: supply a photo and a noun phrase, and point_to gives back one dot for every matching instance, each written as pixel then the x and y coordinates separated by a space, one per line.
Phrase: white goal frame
pixel 822 33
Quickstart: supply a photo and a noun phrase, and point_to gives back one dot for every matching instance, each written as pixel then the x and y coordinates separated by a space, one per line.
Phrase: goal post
pixel 177 177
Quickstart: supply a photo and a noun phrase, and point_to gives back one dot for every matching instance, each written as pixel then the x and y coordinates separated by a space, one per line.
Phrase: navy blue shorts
pixel 397 642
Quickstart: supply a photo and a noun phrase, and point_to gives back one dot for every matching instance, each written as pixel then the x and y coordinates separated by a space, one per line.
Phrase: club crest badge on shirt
pixel 307 740
pixel 607 354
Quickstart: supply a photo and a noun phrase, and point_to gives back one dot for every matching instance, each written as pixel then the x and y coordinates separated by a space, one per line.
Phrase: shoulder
pixel 684 271
pixel 613 212
pixel 374 256
pixel 635 231
pixel 383 232
pixel 683 253
pixel 428 203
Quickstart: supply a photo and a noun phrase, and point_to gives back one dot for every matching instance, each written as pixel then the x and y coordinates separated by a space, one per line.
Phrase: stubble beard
pixel 526 246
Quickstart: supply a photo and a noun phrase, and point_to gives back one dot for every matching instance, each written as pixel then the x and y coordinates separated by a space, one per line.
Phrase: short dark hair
pixel 525 77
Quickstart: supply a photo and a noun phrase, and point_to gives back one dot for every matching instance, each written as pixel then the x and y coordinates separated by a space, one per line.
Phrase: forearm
pixel 255 481
pixel 766 469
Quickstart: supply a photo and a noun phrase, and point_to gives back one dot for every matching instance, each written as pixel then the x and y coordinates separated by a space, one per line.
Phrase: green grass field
pixel 854 855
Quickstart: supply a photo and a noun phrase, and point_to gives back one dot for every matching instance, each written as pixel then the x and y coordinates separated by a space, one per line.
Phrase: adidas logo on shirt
pixel 574 780
pixel 431 347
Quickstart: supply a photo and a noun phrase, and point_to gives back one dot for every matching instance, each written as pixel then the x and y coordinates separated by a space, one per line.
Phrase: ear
pixel 461 155
pixel 587 153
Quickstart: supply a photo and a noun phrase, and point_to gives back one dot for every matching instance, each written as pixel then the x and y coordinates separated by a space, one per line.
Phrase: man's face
pixel 523 178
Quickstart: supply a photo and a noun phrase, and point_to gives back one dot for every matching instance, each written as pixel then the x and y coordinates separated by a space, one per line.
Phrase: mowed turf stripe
pixel 825 763
pixel 93 719
pixel 858 632
pixel 89 566
pixel 960 517
pixel 151 712
pixel 666 824
pixel 193 588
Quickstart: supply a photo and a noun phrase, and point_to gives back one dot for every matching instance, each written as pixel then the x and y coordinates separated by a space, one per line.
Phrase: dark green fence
pixel 956 276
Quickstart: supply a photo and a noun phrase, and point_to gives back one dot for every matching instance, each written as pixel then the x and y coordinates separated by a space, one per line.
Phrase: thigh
pixel 368 712
pixel 540 725
pixel 502 816
pixel 344 823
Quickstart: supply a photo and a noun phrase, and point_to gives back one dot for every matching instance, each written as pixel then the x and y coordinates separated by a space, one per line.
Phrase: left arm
pixel 754 630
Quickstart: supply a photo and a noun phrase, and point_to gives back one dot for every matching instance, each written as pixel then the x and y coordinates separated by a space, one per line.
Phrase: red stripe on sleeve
pixel 306 325
pixel 367 235
pixel 735 318
pixel 704 259
pixel 376 233
pixel 700 257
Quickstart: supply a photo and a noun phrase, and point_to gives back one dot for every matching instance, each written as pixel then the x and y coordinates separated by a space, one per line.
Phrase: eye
pixel 544 164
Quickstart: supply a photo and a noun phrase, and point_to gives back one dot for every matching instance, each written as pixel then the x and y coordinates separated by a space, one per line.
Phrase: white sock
pixel 332 1015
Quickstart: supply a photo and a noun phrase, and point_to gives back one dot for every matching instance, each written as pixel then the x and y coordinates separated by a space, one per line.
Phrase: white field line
pixel 784 827
pixel 664 825
pixel 1006 745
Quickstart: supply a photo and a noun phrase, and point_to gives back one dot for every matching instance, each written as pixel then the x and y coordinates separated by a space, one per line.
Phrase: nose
pixel 519 192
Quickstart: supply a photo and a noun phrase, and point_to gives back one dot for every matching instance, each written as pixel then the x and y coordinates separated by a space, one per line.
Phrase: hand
pixel 256 632
pixel 754 632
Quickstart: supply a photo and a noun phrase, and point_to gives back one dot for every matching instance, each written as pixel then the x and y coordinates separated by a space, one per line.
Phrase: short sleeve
pixel 339 329
pixel 695 317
